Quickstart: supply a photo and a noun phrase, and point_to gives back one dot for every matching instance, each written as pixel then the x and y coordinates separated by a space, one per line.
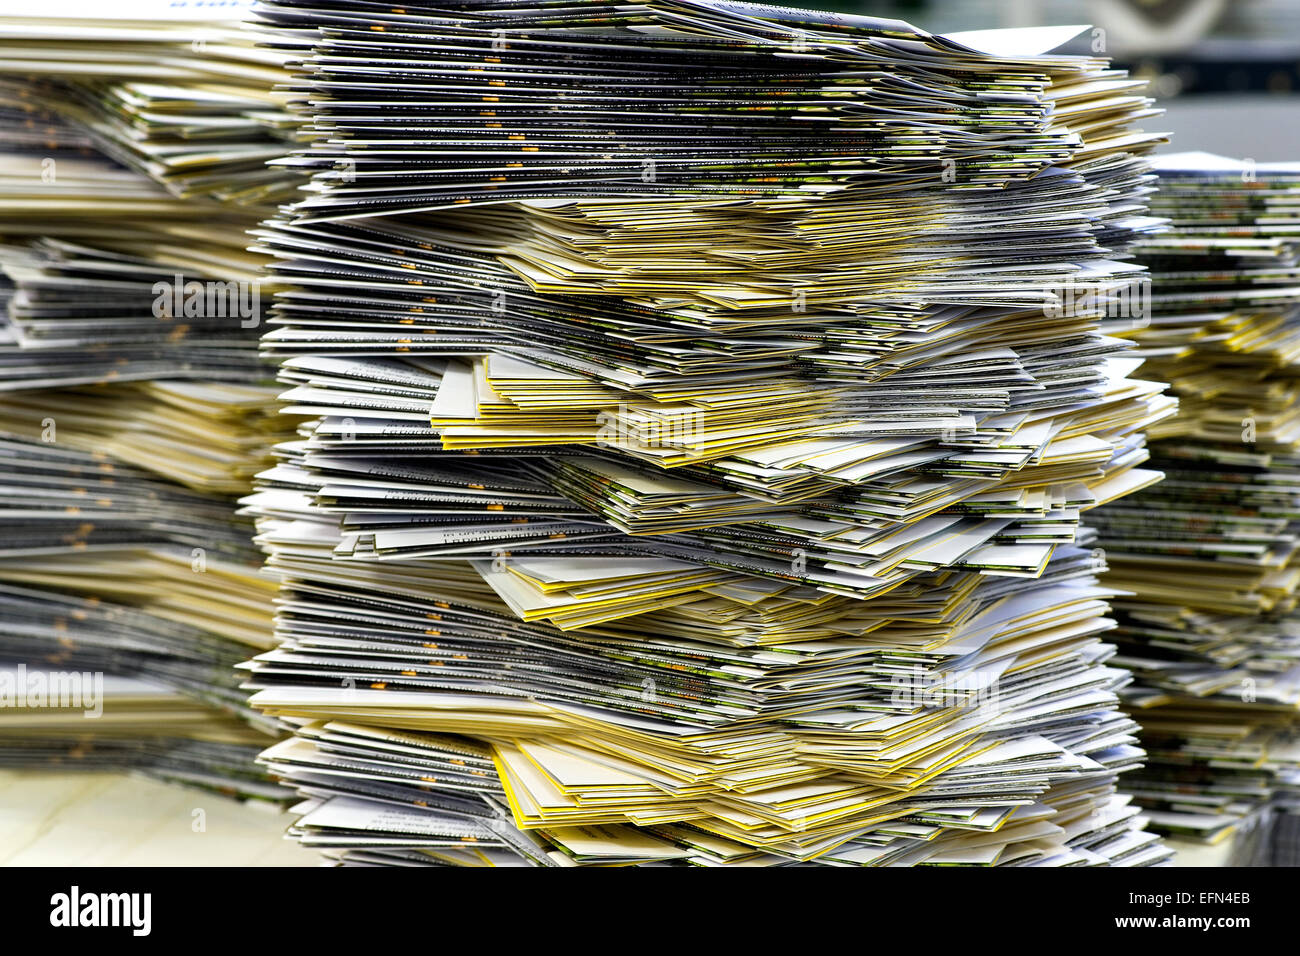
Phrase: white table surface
pixel 105 819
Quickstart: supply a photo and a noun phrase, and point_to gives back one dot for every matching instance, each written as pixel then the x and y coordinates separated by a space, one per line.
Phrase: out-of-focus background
pixel 1227 71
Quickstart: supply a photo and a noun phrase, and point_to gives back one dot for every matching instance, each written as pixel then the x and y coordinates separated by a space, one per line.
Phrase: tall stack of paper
pixel 134 408
pixel 1211 630
pixel 704 413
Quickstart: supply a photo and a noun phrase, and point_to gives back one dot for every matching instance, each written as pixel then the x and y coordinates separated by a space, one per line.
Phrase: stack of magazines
pixel 1211 629
pixel 134 408
pixel 704 401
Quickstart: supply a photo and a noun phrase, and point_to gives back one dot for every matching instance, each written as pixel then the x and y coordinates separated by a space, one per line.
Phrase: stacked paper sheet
pixel 179 91
pixel 133 405
pixel 1211 630
pixel 703 416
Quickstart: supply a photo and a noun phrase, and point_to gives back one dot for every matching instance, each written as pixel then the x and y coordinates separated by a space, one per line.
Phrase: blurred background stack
pixel 1212 553
pixel 133 406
